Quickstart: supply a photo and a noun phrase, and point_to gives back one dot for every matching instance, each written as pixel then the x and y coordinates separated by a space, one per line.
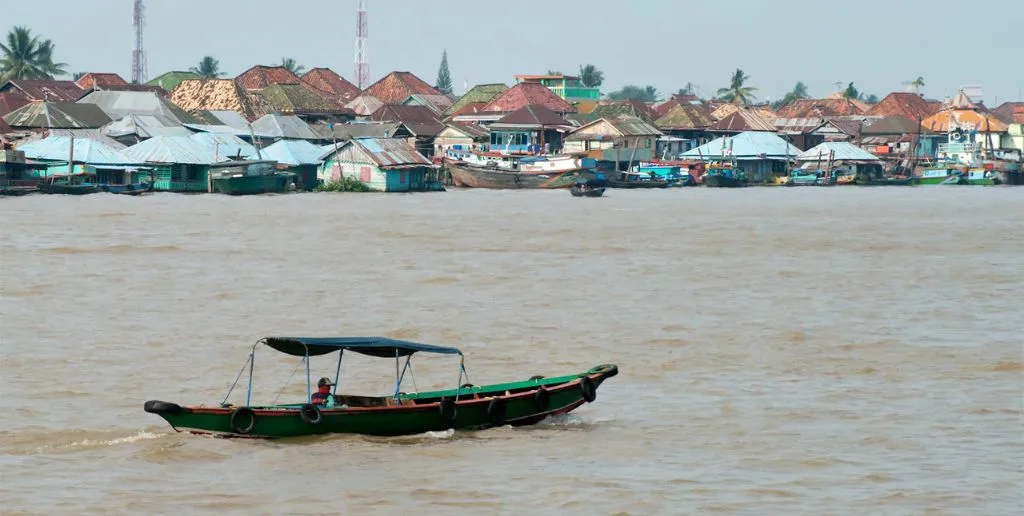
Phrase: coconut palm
pixel 209 68
pixel 590 76
pixel 918 83
pixel 737 92
pixel 24 56
pixel 289 64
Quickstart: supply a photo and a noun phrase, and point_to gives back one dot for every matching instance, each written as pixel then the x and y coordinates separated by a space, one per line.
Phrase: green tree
pixel 870 99
pixel 688 89
pixel 78 75
pixel 633 92
pixel 209 68
pixel 444 77
pixel 917 84
pixel 737 92
pixel 289 64
pixel 590 76
pixel 24 56
pixel 851 92
pixel 799 92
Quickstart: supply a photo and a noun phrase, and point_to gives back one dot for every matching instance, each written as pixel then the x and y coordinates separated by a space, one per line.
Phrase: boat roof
pixel 382 347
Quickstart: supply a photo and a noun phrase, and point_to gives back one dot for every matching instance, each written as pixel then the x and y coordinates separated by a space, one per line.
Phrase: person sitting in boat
pixel 323 392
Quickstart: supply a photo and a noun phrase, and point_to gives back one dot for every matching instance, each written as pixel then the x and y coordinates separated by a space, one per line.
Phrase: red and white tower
pixel 362 61
pixel 139 55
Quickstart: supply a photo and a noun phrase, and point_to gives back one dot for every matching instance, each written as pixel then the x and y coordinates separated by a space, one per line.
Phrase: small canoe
pixel 589 192
pixel 466 406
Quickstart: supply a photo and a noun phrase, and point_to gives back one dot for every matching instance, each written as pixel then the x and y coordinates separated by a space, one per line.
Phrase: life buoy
pixel 587 389
pixel 310 414
pixel 496 411
pixel 956 136
pixel 243 419
pixel 542 399
pixel 447 409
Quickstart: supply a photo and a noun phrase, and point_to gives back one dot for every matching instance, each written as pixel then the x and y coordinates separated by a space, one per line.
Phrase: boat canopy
pixel 373 346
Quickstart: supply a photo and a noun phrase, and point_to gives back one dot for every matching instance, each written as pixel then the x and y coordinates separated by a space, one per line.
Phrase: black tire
pixel 536 377
pixel 311 414
pixel 587 389
pixel 496 411
pixel 243 419
pixel 467 386
pixel 542 399
pixel 448 411
pixel 162 407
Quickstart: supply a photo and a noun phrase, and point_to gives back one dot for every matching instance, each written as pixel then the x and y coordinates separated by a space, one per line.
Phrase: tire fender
pixel 243 419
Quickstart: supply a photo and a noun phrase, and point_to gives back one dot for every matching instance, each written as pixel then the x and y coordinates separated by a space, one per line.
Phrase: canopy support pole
pixel 237 378
pixel 398 375
pixel 309 393
pixel 458 384
pixel 337 373
pixel 252 363
pixel 402 376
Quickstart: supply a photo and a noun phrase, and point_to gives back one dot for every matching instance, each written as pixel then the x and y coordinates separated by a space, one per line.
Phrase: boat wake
pixel 59 442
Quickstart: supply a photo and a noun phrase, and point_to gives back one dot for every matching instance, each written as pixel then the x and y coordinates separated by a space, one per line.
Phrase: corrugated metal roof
pixel 385 152
pixel 145 126
pixel 92 152
pixel 633 126
pixel 57 91
pixel 749 145
pixel 230 118
pixel 225 144
pixel 291 152
pixel 284 126
pixel 358 130
pixel 118 104
pixel 170 80
pixel 968 119
pixel 844 151
pixel 174 149
pixel 299 99
pixel 365 105
pixel 57 114
pixel 743 120
pixel 437 103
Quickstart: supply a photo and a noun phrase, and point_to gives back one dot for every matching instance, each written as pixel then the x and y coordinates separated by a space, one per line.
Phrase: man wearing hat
pixel 323 392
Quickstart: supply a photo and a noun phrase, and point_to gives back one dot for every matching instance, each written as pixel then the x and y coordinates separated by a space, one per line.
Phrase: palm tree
pixel 209 68
pixel 590 76
pixel 25 57
pixel 800 91
pixel 737 92
pixel 289 64
pixel 851 92
pixel 917 84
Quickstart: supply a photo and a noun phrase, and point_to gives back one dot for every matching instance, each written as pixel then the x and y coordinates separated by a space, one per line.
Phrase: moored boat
pixel 636 179
pixel 68 188
pixel 586 188
pixel 128 189
pixel 472 176
pixel 466 406
pixel 724 174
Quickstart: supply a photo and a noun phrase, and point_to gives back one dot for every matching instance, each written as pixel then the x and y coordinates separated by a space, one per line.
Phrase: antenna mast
pixel 139 55
pixel 362 61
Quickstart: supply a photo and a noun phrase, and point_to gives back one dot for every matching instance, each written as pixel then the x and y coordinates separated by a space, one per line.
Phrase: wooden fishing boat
pixel 635 179
pixel 128 189
pixel 588 191
pixel 724 174
pixel 465 407
pixel 494 177
pixel 68 188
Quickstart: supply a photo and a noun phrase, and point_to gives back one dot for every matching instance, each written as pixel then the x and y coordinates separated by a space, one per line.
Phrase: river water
pixel 782 351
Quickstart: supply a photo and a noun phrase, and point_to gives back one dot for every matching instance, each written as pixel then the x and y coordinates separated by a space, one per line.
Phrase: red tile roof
pixel 259 77
pixel 334 85
pixel 100 81
pixel 395 87
pixel 903 104
pixel 1010 112
pixel 470 109
pixel 57 91
pixel 526 94
pixel 808 108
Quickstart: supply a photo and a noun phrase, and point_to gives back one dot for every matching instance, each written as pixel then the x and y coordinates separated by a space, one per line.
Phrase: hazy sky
pixel 878 44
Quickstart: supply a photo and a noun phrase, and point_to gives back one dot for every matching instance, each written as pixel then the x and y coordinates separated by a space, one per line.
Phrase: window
pixel 648 143
pixel 364 174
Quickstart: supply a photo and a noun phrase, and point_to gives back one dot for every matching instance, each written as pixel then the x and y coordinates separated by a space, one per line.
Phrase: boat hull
pixel 477 408
pixel 129 189
pixel 479 177
pixel 251 185
pixel 614 183
pixel 61 189
pixel 722 181
pixel 593 192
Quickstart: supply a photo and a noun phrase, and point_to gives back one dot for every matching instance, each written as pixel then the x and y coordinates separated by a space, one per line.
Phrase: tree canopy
pixel 444 76
pixel 737 91
pixel 24 56
pixel 633 92
pixel 208 68
pixel 292 66
pixel 590 76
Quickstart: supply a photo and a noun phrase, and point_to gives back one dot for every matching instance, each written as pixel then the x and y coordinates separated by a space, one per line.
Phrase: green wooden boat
pixel 467 406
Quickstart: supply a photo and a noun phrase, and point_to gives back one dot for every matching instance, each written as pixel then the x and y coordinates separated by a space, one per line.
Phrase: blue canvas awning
pixel 382 347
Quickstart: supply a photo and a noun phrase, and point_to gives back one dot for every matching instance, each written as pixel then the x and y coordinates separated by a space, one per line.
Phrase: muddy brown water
pixel 782 351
